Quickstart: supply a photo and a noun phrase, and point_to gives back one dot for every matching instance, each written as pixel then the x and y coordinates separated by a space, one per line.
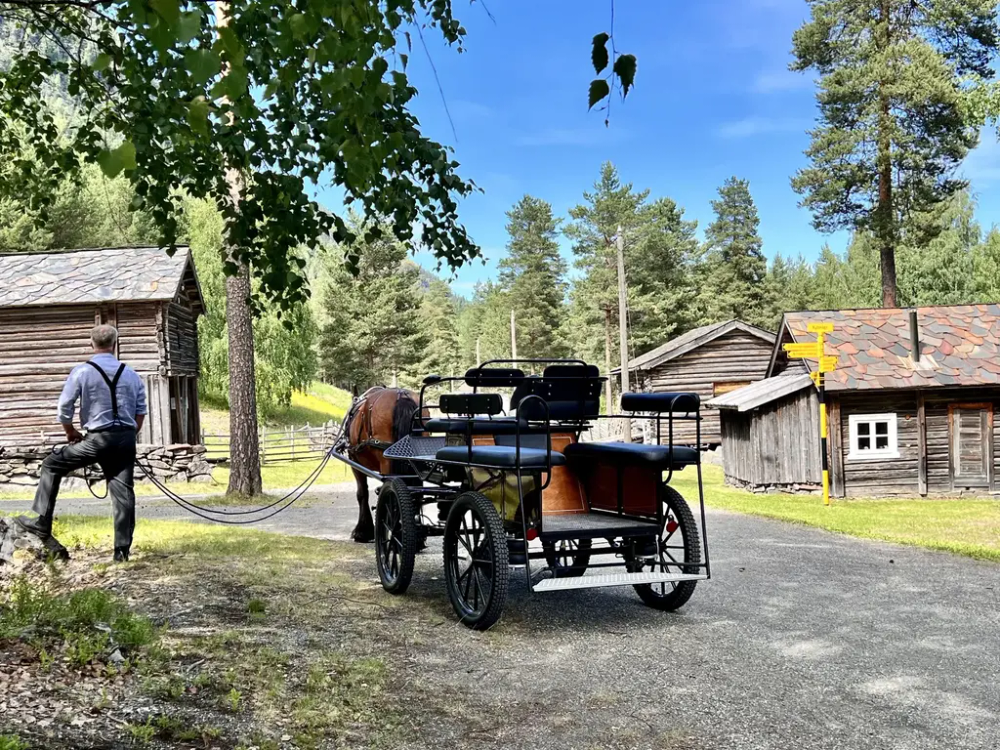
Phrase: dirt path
pixel 803 639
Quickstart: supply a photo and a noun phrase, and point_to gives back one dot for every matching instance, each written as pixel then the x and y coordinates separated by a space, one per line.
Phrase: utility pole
pixel 608 385
pixel 513 336
pixel 623 323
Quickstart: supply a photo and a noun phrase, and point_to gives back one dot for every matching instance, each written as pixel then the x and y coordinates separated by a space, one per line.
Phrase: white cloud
pixel 749 127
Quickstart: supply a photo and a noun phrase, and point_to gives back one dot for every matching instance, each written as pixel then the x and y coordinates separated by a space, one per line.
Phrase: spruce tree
pixel 533 277
pixel 892 122
pixel 735 263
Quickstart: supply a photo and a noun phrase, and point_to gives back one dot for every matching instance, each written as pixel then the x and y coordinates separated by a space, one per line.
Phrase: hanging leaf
pixel 625 70
pixel 168 10
pixel 298 25
pixel 598 90
pixel 102 62
pixel 197 116
pixel 599 53
pixel 115 161
pixel 189 26
pixel 202 64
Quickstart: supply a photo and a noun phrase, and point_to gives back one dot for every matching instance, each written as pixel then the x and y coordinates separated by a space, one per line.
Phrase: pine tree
pixel 892 124
pixel 533 277
pixel 789 286
pixel 439 321
pixel 735 264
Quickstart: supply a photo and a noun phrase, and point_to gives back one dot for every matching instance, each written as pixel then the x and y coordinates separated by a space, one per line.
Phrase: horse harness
pixel 370 441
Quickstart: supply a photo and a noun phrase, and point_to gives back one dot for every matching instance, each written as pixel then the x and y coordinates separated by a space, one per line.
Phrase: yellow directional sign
pixel 820 327
pixel 816 376
pixel 827 364
pixel 805 350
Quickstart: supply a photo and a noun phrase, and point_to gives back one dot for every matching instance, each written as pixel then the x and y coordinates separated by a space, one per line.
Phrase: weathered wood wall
pixel 735 357
pixel 39 346
pixel 774 447
pixel 886 476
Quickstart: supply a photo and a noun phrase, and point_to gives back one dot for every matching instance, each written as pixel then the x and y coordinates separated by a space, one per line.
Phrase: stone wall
pixel 19 467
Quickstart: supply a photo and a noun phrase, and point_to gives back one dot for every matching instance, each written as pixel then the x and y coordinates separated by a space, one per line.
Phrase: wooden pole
pixel 513 336
pixel 623 323
pixel 608 386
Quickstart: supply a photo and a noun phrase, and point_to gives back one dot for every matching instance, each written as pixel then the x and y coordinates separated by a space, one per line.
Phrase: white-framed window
pixel 872 436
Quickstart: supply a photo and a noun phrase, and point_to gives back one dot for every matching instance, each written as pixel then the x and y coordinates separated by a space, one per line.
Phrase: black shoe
pixel 121 554
pixel 35 527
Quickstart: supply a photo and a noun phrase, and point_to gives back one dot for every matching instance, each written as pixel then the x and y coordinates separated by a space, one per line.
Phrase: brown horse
pixel 379 417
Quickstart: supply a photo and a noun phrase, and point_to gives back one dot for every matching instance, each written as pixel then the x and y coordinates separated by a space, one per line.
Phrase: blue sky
pixel 713 98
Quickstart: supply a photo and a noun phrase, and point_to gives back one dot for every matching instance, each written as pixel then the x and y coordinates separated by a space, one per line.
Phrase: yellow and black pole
pixel 815 350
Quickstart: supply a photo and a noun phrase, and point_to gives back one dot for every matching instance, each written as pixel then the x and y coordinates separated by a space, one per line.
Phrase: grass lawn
pixel 210 637
pixel 965 526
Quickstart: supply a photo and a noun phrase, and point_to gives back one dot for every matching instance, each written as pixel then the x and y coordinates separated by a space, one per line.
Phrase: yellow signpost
pixel 825 363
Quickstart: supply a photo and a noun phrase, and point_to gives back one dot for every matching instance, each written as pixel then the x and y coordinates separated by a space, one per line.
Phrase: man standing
pixel 112 409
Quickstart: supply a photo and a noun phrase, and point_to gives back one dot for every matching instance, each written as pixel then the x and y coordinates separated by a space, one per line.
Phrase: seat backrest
pixel 470 404
pixel 573 392
pixel 493 377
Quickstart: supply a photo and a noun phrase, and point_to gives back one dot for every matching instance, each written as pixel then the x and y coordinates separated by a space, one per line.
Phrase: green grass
pixel 964 526
pixel 315 406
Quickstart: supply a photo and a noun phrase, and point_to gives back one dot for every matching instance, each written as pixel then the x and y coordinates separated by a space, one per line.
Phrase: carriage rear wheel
pixel 396 536
pixel 567 558
pixel 476 562
pixel 679 543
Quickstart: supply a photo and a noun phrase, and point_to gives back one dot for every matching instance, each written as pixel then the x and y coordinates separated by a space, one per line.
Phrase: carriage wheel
pixel 476 563
pixel 679 544
pixel 567 558
pixel 396 536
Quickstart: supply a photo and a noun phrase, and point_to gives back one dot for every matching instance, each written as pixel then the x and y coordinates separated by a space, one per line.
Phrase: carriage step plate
pixel 614 579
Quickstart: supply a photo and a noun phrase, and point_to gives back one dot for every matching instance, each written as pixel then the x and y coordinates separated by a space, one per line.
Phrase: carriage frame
pixel 487 472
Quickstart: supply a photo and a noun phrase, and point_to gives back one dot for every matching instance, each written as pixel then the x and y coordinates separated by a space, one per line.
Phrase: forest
pixel 395 320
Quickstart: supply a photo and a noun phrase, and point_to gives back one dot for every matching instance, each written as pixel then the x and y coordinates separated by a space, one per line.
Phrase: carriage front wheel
pixel 476 563
pixel 396 536
pixel 679 544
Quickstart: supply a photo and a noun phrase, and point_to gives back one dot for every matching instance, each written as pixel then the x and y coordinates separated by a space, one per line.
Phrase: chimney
pixel 914 337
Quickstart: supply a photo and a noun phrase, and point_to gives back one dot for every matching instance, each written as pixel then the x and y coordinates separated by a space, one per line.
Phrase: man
pixel 112 409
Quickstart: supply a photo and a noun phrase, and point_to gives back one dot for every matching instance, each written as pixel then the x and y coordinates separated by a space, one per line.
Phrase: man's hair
pixel 104 336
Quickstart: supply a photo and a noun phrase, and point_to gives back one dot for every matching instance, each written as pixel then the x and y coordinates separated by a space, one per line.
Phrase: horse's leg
pixel 365 530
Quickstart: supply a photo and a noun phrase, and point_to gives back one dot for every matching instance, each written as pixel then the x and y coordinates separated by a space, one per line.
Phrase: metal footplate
pixel 614 579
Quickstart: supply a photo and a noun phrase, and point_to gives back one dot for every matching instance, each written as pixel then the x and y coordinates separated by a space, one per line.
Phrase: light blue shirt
pixel 86 385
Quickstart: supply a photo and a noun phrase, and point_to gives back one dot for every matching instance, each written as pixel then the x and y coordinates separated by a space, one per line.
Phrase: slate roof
pixel 121 274
pixel 691 340
pixel 749 397
pixel 959 346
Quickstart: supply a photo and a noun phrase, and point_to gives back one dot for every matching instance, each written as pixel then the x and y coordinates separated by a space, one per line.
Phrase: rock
pixel 13 537
pixel 116 658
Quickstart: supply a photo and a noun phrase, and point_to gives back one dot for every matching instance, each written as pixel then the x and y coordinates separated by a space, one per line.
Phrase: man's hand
pixel 72 434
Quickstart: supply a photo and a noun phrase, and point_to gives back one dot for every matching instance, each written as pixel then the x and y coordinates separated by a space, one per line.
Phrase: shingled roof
pixel 959 346
pixel 691 340
pixel 119 274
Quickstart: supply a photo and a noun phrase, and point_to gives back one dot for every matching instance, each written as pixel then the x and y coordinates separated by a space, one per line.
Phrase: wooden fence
pixel 278 446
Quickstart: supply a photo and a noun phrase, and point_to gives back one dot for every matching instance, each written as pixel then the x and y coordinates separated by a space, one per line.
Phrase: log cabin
pixel 911 406
pixel 709 360
pixel 49 302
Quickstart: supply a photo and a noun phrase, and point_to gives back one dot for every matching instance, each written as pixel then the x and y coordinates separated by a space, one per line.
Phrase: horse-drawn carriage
pixel 518 488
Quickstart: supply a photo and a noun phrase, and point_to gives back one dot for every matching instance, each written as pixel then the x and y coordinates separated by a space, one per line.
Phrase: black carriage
pixel 519 489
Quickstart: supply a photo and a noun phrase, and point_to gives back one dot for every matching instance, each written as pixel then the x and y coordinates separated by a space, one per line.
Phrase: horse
pixel 379 417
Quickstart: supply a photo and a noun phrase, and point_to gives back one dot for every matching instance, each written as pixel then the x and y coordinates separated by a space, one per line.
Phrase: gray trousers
pixel 114 451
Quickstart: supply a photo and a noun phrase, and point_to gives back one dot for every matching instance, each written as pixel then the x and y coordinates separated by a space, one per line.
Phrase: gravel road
pixel 803 639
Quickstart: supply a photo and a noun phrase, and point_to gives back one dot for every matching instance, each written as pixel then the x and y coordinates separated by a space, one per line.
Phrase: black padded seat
pixel 631 454
pixel 500 456
pixel 503 426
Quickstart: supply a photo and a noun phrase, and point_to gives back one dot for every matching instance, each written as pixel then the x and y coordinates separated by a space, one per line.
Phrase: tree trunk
pixel 244 442
pixel 244 446
pixel 885 216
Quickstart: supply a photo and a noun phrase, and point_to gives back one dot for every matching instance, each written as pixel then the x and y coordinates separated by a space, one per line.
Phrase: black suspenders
pixel 112 385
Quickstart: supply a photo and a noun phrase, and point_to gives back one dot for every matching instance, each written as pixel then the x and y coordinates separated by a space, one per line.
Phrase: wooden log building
pixel 50 301
pixel 710 360
pixel 912 406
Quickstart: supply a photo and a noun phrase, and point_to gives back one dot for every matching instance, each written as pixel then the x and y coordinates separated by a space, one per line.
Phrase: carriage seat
pixel 499 456
pixel 630 454
pixel 483 426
